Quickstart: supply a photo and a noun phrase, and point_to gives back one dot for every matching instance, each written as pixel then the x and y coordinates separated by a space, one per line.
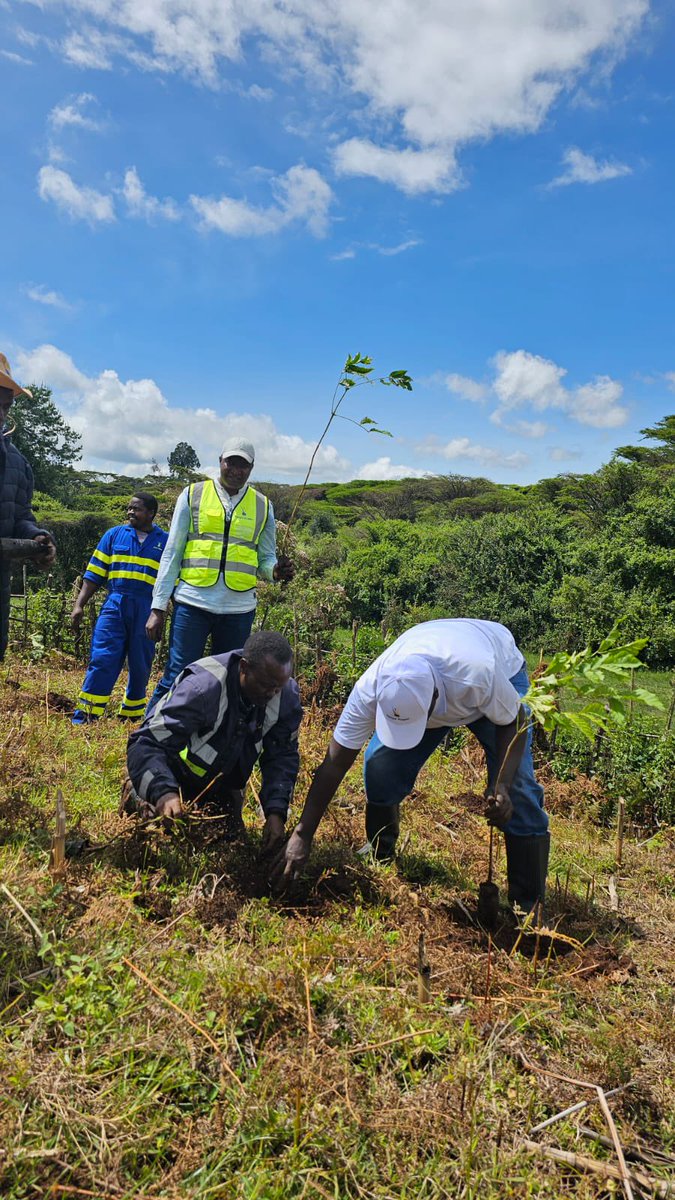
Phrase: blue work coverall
pixel 129 569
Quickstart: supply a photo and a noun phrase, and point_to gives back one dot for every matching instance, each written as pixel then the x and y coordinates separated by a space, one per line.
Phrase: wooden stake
pixel 57 857
pixel 619 830
pixel 613 895
pixel 423 973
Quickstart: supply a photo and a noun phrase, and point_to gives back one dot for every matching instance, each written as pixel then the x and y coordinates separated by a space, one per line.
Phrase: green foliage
pixel 600 678
pixel 183 460
pixel 44 437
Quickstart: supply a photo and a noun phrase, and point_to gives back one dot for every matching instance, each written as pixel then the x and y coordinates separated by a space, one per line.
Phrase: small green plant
pixel 355 373
pixel 600 678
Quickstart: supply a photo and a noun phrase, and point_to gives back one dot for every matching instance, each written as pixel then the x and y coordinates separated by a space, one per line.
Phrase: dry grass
pixel 307 1066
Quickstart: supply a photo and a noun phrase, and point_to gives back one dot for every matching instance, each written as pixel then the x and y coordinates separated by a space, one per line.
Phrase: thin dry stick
pixel 583 1163
pixel 390 1041
pixel 199 1028
pixel 308 1001
pixel 573 1108
pixel 613 894
pixel 617 1144
pixel 37 932
pixel 621 819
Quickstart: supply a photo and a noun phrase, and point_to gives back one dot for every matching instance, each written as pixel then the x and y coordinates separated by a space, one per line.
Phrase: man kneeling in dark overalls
pixel 223 714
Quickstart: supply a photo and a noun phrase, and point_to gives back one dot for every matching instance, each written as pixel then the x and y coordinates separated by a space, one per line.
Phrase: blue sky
pixel 209 206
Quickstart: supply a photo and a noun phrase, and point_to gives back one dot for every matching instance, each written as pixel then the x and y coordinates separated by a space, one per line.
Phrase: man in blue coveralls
pixel 127 561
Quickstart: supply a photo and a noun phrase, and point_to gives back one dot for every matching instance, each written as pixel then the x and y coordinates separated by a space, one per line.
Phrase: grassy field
pixel 169 1031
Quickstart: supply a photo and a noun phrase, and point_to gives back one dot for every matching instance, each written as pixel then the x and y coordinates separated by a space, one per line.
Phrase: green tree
pixel 663 432
pixel 46 439
pixel 183 459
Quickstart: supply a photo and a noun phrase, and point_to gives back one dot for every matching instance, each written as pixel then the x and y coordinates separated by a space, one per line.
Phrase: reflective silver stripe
pixel 199 562
pixel 241 568
pixel 195 496
pixel 155 722
pixel 271 713
pixel 146 779
pixel 235 541
pixel 208 537
pixel 199 747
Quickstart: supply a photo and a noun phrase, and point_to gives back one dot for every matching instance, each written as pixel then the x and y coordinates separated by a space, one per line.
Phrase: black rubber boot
pixel 382 827
pixel 526 869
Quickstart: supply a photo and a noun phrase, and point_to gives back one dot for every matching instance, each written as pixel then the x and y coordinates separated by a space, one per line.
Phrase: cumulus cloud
pixel 410 170
pixel 43 295
pixel 561 454
pixel 466 388
pixel 583 168
pixel 76 111
pixel 140 204
pixel 301 196
pixel 125 424
pixel 384 468
pixel 433 75
pixel 463 449
pixel 79 203
pixel 524 379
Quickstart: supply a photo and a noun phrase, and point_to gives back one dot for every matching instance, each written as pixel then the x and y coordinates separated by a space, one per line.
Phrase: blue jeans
pixel 390 775
pixel 190 629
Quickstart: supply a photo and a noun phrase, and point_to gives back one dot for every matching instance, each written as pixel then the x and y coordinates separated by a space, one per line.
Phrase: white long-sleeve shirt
pixel 218 597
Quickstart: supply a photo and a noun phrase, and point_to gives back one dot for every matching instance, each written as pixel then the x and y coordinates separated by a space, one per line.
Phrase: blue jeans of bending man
pixel 390 775
pixel 190 629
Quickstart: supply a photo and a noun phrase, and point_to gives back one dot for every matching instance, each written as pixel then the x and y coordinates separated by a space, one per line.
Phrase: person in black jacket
pixel 223 714
pixel 16 494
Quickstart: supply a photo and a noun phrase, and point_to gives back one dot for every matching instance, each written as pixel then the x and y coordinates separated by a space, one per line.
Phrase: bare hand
pixel 155 624
pixel 169 806
pixel 46 560
pixel 289 862
pixel 284 569
pixel 273 833
pixel 500 807
pixel 76 617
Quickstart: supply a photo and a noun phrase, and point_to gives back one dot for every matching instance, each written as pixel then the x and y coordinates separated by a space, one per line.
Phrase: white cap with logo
pixel 404 694
pixel 238 448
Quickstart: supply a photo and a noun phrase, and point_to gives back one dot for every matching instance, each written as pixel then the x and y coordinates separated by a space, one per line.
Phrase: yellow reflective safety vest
pixel 203 554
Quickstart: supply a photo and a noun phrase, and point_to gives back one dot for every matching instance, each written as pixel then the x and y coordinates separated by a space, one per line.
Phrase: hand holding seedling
pixel 500 807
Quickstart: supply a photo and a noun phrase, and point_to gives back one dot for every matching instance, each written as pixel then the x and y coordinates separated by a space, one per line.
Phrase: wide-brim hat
pixel 6 380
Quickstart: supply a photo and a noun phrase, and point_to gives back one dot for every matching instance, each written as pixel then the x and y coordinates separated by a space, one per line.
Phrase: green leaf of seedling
pixel 367 421
pixel 647 698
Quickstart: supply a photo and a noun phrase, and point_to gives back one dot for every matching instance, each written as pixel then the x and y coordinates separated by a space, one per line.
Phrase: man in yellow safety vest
pixel 222 539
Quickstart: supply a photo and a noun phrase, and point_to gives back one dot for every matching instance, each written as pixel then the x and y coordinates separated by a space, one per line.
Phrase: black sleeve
pixel 280 758
pixel 191 707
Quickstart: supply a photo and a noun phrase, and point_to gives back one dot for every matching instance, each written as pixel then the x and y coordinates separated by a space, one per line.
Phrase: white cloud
pixel 562 454
pixel 410 170
pixel 485 456
pixel 583 168
pixel 390 251
pixel 80 203
pixel 530 429
pixel 384 468
pixel 43 295
pixel 75 112
pixel 19 59
pixel 466 388
pixel 301 195
pixel 670 380
pixel 140 204
pixel 125 424
pixel 597 404
pixel 525 379
pixel 344 254
pixel 429 74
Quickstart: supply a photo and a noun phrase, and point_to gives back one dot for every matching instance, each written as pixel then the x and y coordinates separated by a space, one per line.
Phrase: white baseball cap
pixel 404 694
pixel 239 447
